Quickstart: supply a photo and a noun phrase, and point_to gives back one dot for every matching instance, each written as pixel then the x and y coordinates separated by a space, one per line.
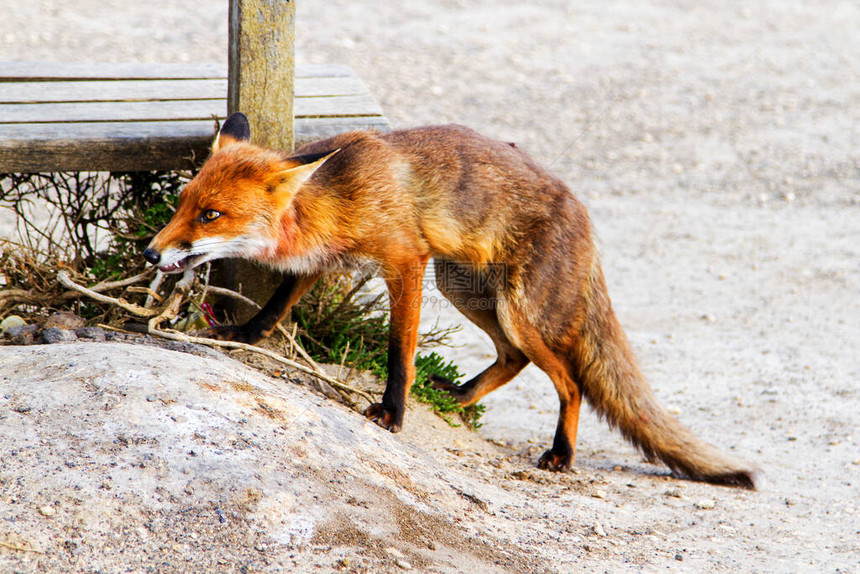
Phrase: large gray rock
pixel 117 455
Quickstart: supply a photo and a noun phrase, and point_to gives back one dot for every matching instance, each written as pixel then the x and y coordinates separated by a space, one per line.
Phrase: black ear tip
pixel 237 127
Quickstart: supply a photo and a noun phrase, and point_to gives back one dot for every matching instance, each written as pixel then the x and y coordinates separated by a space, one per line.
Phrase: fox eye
pixel 209 215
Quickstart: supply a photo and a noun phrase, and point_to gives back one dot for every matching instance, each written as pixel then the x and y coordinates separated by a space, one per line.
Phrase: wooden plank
pixel 29 148
pixel 19 133
pixel 324 71
pixel 110 111
pixel 312 129
pixel 83 71
pixel 338 106
pixel 130 146
pixel 158 90
pixel 308 87
pixel 111 90
pixel 335 106
pixel 51 71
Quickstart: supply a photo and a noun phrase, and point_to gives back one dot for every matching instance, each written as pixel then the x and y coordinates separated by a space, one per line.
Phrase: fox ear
pixel 235 129
pixel 289 180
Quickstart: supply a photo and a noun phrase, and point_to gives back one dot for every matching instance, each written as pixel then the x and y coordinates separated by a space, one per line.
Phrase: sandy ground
pixel 716 148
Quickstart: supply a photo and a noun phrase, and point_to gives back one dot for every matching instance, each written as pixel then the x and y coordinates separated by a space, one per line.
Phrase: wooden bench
pixel 134 117
pixel 140 117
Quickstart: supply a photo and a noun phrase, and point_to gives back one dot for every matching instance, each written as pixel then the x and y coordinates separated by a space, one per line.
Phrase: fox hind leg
pixel 562 454
pixel 475 298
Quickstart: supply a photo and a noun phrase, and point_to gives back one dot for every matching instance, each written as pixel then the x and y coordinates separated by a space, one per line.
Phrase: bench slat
pixel 110 91
pixel 139 90
pixel 85 71
pixel 335 106
pixel 133 146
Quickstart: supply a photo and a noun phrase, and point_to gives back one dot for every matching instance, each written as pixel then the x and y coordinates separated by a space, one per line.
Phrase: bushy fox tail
pixel 615 388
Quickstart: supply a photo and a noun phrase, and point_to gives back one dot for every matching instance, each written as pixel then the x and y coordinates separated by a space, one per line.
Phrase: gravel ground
pixel 716 148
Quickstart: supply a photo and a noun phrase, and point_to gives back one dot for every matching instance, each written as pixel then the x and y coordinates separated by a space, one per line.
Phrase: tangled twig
pixel 109 285
pixel 171 309
pixel 65 280
pixel 177 296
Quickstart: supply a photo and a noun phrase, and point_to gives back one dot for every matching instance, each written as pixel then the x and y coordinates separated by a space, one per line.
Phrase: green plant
pixel 82 217
pixel 91 224
pixel 340 323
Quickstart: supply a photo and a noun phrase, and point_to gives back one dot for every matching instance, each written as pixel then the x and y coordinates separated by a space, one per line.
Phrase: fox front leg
pixel 263 323
pixel 404 292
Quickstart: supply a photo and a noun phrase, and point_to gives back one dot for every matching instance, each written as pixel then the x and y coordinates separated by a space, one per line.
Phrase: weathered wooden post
pixel 260 84
pixel 261 64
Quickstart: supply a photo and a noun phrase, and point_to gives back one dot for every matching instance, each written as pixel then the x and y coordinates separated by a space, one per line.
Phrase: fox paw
pixel 384 417
pixel 555 462
pixel 235 333
pixel 440 383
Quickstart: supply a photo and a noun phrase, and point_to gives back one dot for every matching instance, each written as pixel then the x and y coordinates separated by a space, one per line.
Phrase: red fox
pixel 475 206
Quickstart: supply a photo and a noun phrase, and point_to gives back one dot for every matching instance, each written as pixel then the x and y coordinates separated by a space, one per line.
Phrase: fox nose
pixel 151 255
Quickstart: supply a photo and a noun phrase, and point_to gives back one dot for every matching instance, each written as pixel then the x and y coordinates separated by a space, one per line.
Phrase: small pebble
pixel 599 494
pixel 54 335
pixel 23 335
pixel 403 564
pixel 598 529
pixel 64 320
pixel 706 504
pixel 10 322
pixel 92 333
pixel 47 511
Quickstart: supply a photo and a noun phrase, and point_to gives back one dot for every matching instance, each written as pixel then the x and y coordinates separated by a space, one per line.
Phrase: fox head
pixel 233 207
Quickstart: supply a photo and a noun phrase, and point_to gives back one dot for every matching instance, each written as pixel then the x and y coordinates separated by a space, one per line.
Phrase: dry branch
pixel 169 311
pixel 66 281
